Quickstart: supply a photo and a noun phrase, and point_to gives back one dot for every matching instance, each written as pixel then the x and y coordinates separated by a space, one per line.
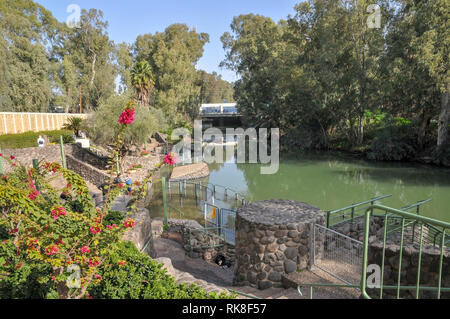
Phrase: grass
pixel 29 139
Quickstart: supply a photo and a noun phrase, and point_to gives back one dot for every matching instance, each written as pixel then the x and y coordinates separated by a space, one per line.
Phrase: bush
pixel 113 217
pixel 394 143
pixel 142 278
pixel 105 125
pixel 29 139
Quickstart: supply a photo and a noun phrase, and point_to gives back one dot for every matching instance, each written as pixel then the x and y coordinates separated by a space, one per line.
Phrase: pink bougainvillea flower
pixel 95 229
pixel 52 250
pixel 58 212
pixel 129 223
pixel 1 155
pixel 85 250
pixel 98 277
pixel 34 194
pixel 170 159
pixel 93 263
pixel 128 114
pixel 53 278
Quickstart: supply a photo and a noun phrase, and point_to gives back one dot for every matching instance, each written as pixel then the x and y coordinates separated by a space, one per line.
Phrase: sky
pixel 129 18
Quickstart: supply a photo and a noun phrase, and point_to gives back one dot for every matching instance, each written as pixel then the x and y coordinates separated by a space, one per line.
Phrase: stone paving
pixel 190 172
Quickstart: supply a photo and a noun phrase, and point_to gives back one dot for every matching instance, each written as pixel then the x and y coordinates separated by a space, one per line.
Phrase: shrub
pixel 105 125
pixel 29 139
pixel 394 143
pixel 114 217
pixel 133 275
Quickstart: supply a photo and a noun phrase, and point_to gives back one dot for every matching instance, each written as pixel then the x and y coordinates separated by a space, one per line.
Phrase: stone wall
pixel 355 230
pixel 429 273
pixel 50 153
pixel 199 244
pixel 89 157
pixel 273 239
pixel 88 172
pixel 141 234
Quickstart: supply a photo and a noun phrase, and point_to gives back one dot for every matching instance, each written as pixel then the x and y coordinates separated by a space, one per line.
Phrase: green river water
pixel 331 182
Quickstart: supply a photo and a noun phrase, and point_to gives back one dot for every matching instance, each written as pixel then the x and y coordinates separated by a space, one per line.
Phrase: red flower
pixel 122 263
pixel 95 229
pixel 52 250
pixel 127 116
pixel 58 212
pixel 129 223
pixel 12 158
pixel 85 250
pixel 170 159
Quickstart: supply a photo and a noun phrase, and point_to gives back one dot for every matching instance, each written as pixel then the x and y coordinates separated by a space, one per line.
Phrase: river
pixel 331 182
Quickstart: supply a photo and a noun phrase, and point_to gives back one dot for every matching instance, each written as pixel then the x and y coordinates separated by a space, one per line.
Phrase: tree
pixel 173 55
pixel 142 81
pixel 214 89
pixel 92 54
pixel 26 30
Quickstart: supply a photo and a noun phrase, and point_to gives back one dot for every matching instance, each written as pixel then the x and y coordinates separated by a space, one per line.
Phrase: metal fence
pixel 221 219
pixel 405 279
pixel 338 255
pixel 349 213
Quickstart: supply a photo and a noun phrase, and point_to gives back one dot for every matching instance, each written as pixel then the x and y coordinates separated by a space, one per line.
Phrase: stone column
pixel 272 239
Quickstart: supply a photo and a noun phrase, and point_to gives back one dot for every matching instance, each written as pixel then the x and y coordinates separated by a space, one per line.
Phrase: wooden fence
pixel 16 123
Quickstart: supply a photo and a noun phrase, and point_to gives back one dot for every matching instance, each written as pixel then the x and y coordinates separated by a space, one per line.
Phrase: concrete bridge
pixel 221 114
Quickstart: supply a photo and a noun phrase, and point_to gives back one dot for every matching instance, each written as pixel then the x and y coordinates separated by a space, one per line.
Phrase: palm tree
pixel 142 80
pixel 74 124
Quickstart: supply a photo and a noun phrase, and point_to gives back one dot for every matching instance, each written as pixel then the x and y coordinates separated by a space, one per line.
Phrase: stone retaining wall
pixel 89 157
pixel 273 239
pixel 193 234
pixel 88 172
pixel 429 273
pixel 141 234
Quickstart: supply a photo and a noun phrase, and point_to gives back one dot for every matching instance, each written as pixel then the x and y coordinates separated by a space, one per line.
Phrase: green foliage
pixel 215 89
pixel 24 283
pixel 105 126
pixel 143 81
pixel 74 124
pixel 394 143
pixel 173 55
pixel 114 217
pixel 142 278
pixel 29 139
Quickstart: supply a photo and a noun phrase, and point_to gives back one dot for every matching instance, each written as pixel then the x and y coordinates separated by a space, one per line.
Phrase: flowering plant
pixel 59 227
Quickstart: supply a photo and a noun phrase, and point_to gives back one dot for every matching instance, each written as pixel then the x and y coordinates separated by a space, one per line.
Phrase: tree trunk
pixel 425 123
pixel 68 101
pixel 360 130
pixel 444 119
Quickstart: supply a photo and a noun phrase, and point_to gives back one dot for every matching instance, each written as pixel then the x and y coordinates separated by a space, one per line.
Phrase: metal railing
pixel 349 213
pixel 421 222
pixel 414 287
